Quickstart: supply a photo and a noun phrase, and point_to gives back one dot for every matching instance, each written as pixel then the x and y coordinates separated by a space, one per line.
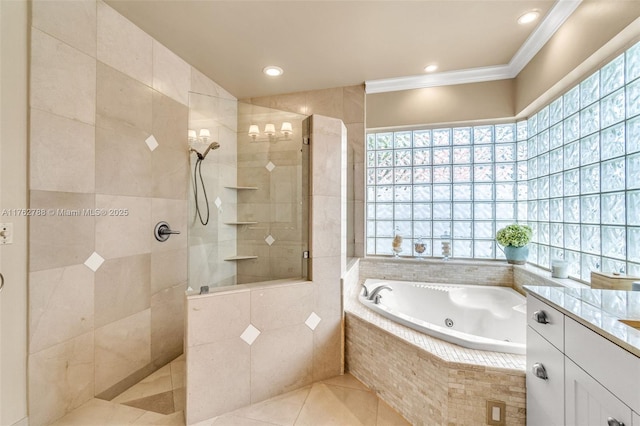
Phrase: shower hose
pixel 197 172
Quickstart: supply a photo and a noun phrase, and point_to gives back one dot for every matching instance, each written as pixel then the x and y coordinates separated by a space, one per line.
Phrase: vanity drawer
pixel 547 321
pixel 615 368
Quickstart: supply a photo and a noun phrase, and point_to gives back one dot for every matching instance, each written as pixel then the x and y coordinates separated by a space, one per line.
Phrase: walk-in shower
pixel 249 193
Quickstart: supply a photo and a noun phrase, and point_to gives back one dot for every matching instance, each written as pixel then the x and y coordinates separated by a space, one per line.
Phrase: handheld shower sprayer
pixel 197 173
pixel 212 146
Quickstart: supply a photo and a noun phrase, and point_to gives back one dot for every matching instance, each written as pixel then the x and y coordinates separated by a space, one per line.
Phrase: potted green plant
pixel 515 239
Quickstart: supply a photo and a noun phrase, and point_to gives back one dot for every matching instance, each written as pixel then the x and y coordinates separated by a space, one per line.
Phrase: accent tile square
pixel 152 143
pixel 313 321
pixel 270 240
pixel 250 334
pixel 94 262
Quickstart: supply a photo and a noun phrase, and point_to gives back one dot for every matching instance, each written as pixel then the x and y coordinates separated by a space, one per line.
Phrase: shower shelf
pixel 241 187
pixel 240 223
pixel 234 258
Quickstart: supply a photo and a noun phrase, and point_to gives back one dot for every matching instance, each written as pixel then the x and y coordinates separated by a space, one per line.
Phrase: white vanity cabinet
pixel 545 386
pixel 575 376
pixel 589 403
pixel 614 368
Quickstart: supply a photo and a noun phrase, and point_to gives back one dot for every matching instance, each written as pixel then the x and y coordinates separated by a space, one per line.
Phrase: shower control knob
pixel 539 371
pixel 163 231
pixel 613 422
pixel 540 317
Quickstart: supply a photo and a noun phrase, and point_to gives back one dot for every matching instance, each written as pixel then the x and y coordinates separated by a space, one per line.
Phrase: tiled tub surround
pixel 436 270
pixel 108 108
pixel 430 381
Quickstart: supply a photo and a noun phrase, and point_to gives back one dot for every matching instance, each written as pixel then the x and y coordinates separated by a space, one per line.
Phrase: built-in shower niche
pixel 257 193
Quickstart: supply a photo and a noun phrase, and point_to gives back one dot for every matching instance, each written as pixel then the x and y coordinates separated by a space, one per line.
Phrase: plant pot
pixel 516 255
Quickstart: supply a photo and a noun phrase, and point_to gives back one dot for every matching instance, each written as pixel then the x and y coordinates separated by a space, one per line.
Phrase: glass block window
pixel 571 171
pixel 459 184
pixel 589 213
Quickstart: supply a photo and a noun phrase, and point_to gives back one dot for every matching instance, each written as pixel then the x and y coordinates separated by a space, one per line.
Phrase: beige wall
pixel 445 104
pixel 14 25
pixel 558 65
pixel 100 88
pixel 593 24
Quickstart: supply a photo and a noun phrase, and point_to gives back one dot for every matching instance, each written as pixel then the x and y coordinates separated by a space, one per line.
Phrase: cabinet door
pixel 545 397
pixel 588 402
pixel 613 367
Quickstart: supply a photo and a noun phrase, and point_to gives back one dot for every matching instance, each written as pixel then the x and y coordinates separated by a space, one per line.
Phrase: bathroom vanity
pixel 583 357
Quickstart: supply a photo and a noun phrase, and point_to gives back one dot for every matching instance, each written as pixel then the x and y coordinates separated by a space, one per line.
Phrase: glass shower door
pixel 253 187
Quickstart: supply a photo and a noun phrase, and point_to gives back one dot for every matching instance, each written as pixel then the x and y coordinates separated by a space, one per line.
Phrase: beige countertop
pixel 598 310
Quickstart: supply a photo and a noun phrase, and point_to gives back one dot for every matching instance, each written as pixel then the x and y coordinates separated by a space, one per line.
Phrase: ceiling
pixel 325 44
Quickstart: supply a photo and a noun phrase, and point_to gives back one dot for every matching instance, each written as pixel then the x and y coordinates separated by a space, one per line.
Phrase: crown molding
pixel 470 75
pixel 558 14
pixel 541 35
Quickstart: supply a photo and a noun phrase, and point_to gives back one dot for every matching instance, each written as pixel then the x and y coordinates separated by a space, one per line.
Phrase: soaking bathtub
pixel 488 318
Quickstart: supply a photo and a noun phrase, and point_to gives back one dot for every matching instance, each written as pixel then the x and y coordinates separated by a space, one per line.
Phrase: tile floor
pixel 159 400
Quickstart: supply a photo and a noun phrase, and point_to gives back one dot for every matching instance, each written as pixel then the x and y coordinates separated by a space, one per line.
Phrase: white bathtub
pixel 474 316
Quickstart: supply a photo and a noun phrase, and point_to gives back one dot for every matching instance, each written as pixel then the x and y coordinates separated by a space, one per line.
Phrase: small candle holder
pixel 446 246
pixel 419 247
pixel 396 244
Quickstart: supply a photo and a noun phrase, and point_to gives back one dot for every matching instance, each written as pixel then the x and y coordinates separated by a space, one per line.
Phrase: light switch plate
pixel 6 233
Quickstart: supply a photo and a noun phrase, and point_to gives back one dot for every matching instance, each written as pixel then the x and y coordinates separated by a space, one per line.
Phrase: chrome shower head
pixel 212 146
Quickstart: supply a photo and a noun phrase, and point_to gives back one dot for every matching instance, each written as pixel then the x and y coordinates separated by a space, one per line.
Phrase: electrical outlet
pixel 496 415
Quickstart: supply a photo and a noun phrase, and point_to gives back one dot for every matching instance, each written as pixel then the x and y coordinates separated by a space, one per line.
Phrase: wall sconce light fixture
pixel 254 131
pixel 203 137
pixel 286 129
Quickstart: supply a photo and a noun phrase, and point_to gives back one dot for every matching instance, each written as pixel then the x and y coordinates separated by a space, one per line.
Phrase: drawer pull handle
pixel 541 317
pixel 613 422
pixel 539 371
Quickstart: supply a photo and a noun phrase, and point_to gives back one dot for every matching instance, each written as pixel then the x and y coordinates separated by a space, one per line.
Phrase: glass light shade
pixel 270 129
pixel 286 128
pixel 254 131
pixel 205 135
pixel 192 136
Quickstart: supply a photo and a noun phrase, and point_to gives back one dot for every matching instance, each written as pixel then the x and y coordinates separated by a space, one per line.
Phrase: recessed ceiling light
pixel 272 71
pixel 528 17
pixel 430 68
